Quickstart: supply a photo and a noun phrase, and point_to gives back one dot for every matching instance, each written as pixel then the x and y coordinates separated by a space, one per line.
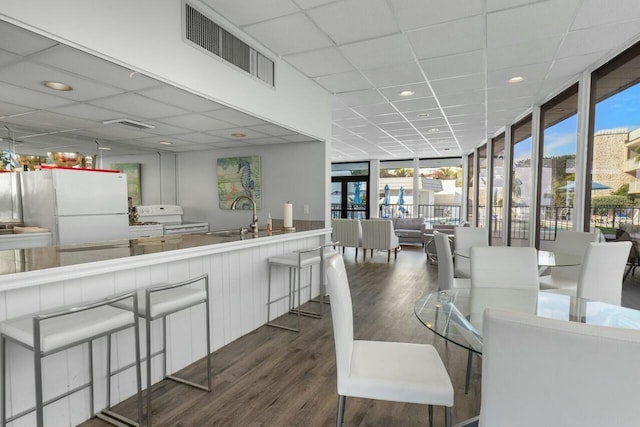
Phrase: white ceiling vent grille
pixel 203 32
pixel 129 122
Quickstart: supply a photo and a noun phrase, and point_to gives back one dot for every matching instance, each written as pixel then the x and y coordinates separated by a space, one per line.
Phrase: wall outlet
pixel 306 209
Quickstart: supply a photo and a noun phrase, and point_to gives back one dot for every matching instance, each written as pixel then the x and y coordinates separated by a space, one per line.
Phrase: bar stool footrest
pixel 287 328
pixel 187 382
pixel 306 313
pixel 116 419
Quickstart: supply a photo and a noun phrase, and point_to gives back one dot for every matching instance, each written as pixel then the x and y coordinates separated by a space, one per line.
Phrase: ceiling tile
pixel 236 118
pixel 180 98
pixel 412 14
pixel 272 130
pixel 386 118
pixel 396 75
pixel 600 38
pixel 379 52
pixel 463 35
pixel 11 109
pixel 308 4
pixel 320 62
pixel 30 98
pixel 289 34
pixel 362 97
pixel 417 105
pixel 458 84
pixel 605 12
pixel 22 42
pixel 454 65
pixel 94 68
pixel 250 11
pixel 527 52
pixel 343 82
pixel 566 67
pixel 421 90
pixel 197 137
pixel 375 109
pixel 523 23
pixel 227 133
pixel 531 73
pixel 338 20
pixel 138 106
pixel 197 122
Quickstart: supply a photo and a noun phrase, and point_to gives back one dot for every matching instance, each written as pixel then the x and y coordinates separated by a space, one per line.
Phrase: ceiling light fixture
pixel 423 115
pixel 57 86
pixel 103 148
pixel 432 130
pixel 238 135
pixel 165 142
pixel 516 79
pixel 406 93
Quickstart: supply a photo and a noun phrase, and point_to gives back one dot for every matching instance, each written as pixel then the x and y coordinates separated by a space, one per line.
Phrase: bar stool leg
pixel 108 371
pixel 37 362
pixel 3 386
pixel 148 396
pixel 91 390
pixel 269 296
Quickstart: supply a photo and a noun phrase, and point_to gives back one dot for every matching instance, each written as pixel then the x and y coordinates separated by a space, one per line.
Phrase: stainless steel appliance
pixel 76 205
pixel 170 216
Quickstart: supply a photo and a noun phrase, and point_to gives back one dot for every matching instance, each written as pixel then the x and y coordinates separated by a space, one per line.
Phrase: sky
pixel 621 110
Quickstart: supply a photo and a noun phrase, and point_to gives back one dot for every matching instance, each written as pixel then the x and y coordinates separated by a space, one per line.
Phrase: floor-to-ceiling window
pixel 497 193
pixel 349 190
pixel 440 192
pixel 613 184
pixel 556 167
pixel 481 190
pixel 470 188
pixel 396 192
pixel 521 185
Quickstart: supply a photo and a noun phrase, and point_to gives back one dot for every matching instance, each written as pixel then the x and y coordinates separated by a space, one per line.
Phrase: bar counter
pixel 43 279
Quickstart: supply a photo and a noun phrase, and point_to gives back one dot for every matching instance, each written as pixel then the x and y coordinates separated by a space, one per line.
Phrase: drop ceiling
pixel 455 55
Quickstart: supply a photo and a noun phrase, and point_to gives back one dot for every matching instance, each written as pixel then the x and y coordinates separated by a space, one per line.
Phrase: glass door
pixel 349 197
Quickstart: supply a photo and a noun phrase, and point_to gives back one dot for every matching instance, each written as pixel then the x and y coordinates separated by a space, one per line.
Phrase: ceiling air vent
pixel 201 31
pixel 128 122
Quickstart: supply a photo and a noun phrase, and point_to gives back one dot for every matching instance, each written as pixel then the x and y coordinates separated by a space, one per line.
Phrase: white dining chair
pixel 567 242
pixel 504 267
pixel 445 264
pixel 392 371
pixel 554 373
pixel 601 274
pixel 466 237
pixel 348 232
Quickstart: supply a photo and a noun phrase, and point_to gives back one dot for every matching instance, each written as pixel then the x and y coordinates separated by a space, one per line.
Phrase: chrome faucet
pixel 254 221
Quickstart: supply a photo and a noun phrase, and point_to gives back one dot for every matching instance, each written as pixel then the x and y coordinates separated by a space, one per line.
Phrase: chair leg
pixel 395 253
pixel 364 254
pixel 3 378
pixel 388 255
pixel 356 253
pixel 430 407
pixel 447 416
pixel 341 404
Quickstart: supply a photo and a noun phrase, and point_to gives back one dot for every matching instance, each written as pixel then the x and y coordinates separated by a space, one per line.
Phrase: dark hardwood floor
pixel 273 377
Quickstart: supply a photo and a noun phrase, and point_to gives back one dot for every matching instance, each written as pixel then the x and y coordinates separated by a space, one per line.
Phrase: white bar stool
pixel 162 301
pixel 49 333
pixel 296 261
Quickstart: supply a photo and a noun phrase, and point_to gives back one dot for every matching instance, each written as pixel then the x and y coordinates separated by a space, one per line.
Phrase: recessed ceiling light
pixel 423 115
pixel 446 149
pixel 516 79
pixel 103 148
pixel 57 86
pixel 165 142
pixel 406 93
pixel 432 130
pixel 238 135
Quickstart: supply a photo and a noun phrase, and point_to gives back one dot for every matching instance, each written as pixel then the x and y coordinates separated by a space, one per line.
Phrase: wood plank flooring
pixel 273 377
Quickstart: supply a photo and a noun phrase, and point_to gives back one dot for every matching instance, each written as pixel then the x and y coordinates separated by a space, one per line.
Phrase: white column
pixel 582 142
pixel 416 187
pixel 533 196
pixel 372 192
pixel 506 197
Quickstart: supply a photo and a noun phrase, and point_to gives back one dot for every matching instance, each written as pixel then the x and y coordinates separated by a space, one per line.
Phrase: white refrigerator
pixel 76 205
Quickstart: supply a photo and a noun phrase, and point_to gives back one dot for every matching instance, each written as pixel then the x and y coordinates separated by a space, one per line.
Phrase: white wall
pixel 290 172
pixel 146 35
pixel 157 176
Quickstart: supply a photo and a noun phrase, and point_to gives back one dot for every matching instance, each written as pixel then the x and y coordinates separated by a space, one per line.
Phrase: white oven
pixel 170 217
pixel 139 231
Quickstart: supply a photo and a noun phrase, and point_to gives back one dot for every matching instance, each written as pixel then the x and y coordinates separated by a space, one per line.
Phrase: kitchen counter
pixel 43 279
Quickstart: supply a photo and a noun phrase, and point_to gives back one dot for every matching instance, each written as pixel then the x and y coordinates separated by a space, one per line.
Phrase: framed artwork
pixel 239 176
pixel 133 180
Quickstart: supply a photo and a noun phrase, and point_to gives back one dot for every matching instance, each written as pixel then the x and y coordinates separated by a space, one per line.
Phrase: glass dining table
pixel 456 314
pixel 545 258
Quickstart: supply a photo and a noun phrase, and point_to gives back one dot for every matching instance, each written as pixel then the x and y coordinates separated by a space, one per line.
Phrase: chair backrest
pixel 574 243
pixel 347 231
pixel 504 267
pixel 445 260
pixel 466 237
pixel 378 234
pixel 342 315
pixel 602 271
pixel 545 372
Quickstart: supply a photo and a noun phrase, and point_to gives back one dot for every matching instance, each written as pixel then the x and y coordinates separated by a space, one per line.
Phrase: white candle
pixel 288 215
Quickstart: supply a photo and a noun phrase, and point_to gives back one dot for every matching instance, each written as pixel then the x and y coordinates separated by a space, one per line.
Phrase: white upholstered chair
pixel 392 371
pixel 348 232
pixel 379 234
pixel 553 373
pixel 445 264
pixel 466 237
pixel 504 267
pixel 567 242
pixel 602 273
